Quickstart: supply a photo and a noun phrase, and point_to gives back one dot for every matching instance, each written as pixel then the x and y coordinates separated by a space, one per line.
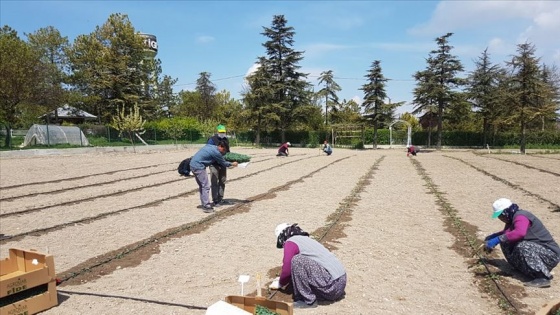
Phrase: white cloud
pixel 252 69
pixel 515 22
pixel 358 100
pixel 454 15
pixel 204 39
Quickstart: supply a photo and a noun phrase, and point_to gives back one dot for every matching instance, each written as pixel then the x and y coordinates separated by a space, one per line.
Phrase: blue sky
pixel 224 37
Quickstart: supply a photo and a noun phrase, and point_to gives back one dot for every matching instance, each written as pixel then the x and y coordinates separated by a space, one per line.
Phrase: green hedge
pixel 474 139
pixel 159 133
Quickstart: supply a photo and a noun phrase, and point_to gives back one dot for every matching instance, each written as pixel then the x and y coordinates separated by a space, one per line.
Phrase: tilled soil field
pixel 128 236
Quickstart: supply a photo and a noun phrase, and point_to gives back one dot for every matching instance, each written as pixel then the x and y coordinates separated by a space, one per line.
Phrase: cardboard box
pixel 248 303
pixel 25 269
pixel 34 304
pixel 550 308
pixel 27 282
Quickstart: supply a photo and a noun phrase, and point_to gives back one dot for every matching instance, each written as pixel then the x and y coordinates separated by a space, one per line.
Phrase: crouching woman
pixel 315 272
pixel 526 243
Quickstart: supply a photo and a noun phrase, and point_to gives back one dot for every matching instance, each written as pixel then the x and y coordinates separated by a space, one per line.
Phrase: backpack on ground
pixel 184 167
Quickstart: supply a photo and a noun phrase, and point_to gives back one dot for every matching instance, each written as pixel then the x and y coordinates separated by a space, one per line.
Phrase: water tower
pixel 150 52
pixel 150 45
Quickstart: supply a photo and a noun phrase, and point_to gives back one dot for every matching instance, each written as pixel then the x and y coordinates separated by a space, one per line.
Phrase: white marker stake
pixel 243 279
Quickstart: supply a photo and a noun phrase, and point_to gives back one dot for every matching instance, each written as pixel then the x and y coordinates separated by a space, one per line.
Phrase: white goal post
pixel 409 137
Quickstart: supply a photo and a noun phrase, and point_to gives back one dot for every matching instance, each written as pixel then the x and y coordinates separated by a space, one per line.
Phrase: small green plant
pixel 236 157
pixel 262 310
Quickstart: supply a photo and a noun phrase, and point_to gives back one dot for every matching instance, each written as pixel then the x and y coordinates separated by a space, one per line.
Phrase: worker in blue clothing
pixel 327 148
pixel 206 156
pixel 218 174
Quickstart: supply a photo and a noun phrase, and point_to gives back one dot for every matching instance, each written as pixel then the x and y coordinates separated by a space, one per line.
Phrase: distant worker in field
pixel 206 156
pixel 411 150
pixel 283 149
pixel 314 272
pixel 526 243
pixel 218 173
pixel 327 148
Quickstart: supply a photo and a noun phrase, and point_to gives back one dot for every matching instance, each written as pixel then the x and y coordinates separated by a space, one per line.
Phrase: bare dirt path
pixel 128 238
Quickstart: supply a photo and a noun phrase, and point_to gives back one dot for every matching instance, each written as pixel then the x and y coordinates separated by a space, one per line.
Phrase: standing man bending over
pixel 218 173
pixel 206 156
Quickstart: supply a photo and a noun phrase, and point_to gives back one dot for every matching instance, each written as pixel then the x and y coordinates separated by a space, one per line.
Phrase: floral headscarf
pixel 288 232
pixel 510 211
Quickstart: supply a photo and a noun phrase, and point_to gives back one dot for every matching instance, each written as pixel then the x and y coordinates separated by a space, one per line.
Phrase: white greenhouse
pixel 54 134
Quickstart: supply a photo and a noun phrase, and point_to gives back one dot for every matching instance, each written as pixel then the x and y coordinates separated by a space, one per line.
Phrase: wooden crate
pixel 248 303
pixel 550 308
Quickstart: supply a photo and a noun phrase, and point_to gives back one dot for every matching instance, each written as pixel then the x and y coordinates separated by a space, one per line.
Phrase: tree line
pixel 108 71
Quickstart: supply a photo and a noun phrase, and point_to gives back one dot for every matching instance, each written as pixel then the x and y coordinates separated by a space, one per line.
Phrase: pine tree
pixel 374 97
pixel 526 84
pixel 442 74
pixel 482 89
pixel 288 86
pixel 256 98
pixel 207 91
pixel 328 92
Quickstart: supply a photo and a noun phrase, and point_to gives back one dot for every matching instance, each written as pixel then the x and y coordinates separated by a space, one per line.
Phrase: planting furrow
pixel 471 194
pixel 184 230
pixel 548 167
pixel 62 186
pixel 69 180
pixel 81 211
pixel 85 194
pixel 108 209
pixel 549 193
pixel 466 242
pixel 238 241
pixel 50 191
pixel 406 256
pixel 555 157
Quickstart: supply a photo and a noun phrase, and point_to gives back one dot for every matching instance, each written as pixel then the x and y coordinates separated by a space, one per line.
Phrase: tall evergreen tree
pixel 328 92
pixel 257 97
pixel 443 67
pixel 526 86
pixel 483 91
pixel 425 101
pixel 375 95
pixel 289 86
pixel 207 91
pixel 164 96
pixel 548 101
pixel 157 91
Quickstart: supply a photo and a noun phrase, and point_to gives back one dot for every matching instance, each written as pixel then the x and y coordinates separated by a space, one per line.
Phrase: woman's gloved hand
pixel 487 238
pixel 275 285
pixel 491 243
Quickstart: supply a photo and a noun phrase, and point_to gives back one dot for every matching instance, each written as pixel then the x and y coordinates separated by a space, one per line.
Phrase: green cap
pixel 221 128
